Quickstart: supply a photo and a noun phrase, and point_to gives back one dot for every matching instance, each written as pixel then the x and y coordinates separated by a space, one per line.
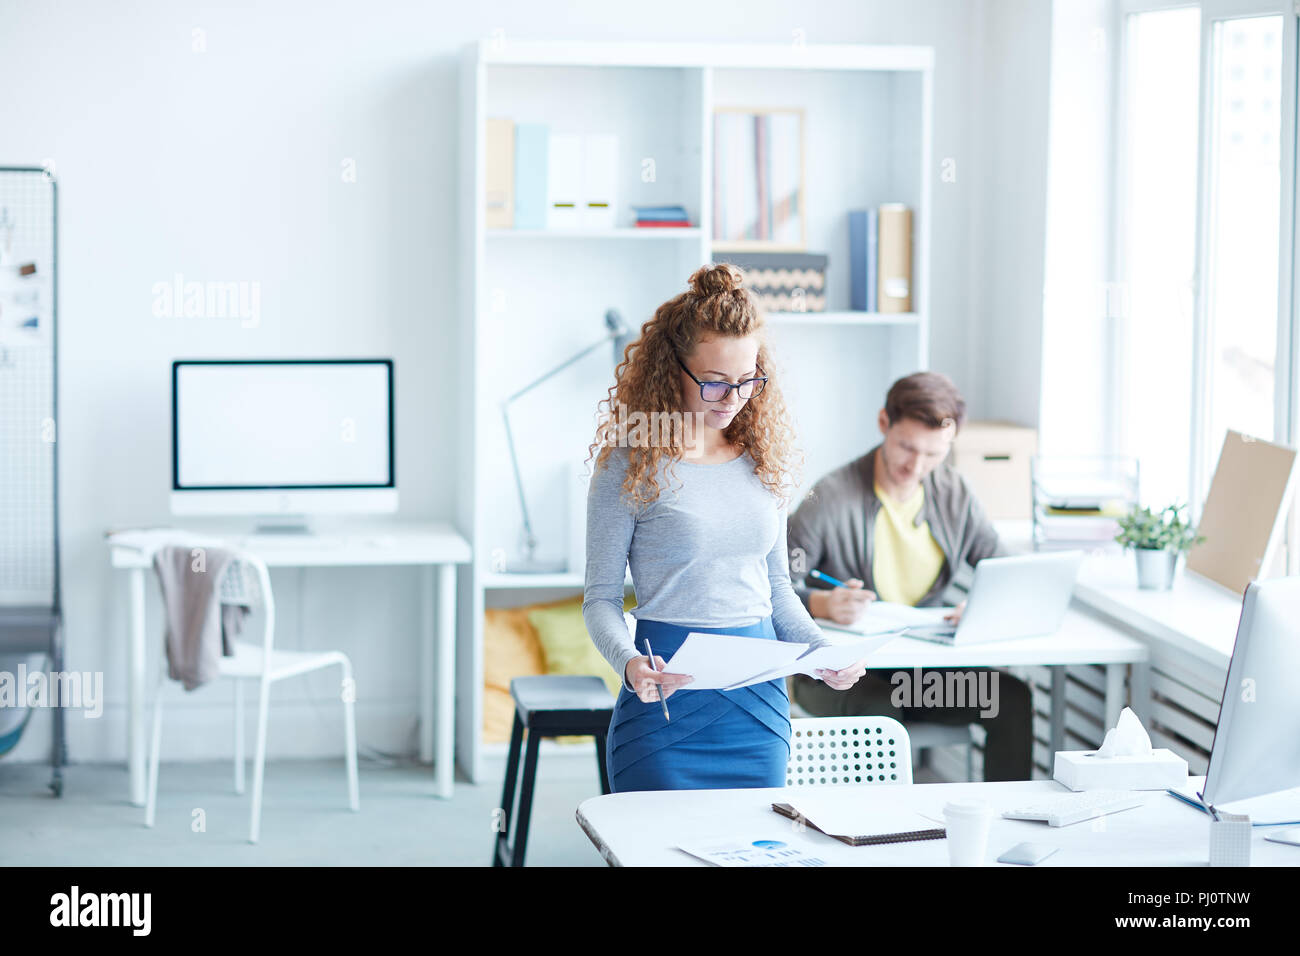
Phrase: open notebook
pixel 849 821
pixel 880 616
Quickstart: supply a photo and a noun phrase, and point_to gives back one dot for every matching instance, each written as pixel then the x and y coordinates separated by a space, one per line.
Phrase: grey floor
pixel 305 820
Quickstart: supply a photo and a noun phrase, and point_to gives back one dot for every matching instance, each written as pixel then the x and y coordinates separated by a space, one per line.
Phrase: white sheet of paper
pixel 718 661
pixel 833 656
pixel 836 812
pixel 839 654
pixel 746 852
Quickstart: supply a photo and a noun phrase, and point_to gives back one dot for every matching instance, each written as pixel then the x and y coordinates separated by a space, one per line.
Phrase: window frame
pixel 1286 395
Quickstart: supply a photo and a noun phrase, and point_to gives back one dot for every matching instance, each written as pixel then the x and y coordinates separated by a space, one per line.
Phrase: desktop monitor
pixel 282 438
pixel 1257 742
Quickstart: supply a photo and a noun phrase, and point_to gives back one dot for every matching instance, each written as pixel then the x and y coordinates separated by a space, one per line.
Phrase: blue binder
pixel 864 232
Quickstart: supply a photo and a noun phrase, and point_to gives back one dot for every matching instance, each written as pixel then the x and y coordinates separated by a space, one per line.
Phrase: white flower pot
pixel 1156 568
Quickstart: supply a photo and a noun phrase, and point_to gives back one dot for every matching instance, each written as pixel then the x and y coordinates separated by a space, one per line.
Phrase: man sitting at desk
pixel 896 524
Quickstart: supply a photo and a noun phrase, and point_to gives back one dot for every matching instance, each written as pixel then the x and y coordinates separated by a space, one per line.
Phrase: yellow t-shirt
pixel 906 558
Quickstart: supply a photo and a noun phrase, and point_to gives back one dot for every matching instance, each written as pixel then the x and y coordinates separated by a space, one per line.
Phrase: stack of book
pixel 1078 501
pixel 880 257
pixel 660 217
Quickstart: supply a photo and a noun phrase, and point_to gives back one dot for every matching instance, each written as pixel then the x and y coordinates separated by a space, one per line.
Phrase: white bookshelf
pixel 665 234
pixel 843 318
pixel 530 299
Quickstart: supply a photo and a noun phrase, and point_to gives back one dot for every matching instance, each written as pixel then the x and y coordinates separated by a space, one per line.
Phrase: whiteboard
pixel 28 547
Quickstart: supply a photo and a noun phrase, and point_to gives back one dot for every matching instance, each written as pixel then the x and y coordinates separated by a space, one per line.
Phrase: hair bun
pixel 717 279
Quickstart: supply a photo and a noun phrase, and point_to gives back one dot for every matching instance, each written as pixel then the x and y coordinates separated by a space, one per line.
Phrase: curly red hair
pixel 716 303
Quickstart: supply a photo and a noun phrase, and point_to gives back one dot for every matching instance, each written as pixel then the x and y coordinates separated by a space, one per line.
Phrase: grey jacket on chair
pixel 832 530
pixel 191 589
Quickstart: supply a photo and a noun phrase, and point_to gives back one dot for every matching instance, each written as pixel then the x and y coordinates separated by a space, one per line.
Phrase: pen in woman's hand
pixel 658 687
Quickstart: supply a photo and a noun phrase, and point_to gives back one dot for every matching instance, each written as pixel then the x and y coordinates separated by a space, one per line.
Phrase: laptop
pixel 1025 595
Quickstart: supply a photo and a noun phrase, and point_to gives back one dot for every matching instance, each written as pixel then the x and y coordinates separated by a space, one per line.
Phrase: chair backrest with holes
pixel 246 581
pixel 853 751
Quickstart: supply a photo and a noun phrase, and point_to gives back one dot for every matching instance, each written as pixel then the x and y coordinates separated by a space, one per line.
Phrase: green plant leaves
pixel 1164 530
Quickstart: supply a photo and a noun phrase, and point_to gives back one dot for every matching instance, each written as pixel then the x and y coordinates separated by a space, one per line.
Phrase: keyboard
pixel 938 633
pixel 1064 809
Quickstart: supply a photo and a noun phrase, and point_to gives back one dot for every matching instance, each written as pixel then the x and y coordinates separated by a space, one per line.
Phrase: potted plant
pixel 1158 538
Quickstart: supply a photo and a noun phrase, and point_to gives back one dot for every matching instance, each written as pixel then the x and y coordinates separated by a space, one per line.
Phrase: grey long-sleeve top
pixel 709 552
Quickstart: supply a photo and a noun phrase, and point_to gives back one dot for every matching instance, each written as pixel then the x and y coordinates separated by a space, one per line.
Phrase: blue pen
pixel 658 687
pixel 1206 808
pixel 827 578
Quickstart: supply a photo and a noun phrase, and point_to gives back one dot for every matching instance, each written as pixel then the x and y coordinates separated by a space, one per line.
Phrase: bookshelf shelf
pixel 504 581
pixel 529 299
pixel 666 233
pixel 843 318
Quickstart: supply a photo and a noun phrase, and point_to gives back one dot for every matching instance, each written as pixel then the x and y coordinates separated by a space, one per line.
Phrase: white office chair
pixel 839 751
pixel 923 736
pixel 247 582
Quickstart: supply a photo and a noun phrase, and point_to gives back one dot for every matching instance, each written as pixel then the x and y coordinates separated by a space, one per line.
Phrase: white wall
pixel 1010 218
pixel 225 165
pixel 1075 347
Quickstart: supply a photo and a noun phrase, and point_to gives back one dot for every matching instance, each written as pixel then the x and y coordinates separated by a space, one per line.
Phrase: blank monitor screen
pixel 274 425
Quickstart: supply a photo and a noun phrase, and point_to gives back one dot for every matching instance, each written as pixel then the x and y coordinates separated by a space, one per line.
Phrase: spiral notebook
pixel 833 822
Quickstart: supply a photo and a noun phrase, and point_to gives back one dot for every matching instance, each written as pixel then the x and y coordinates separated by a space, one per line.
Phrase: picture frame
pixel 759 190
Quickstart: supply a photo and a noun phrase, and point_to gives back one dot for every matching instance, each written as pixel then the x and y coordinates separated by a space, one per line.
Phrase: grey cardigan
pixel 832 529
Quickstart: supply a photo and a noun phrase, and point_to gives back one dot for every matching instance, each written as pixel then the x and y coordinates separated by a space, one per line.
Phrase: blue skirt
pixel 714 740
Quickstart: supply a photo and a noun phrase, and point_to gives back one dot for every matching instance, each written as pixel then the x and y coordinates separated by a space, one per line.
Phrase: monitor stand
pixel 273 525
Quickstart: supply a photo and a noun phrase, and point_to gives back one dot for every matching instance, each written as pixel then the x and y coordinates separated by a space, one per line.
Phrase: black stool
pixel 547 706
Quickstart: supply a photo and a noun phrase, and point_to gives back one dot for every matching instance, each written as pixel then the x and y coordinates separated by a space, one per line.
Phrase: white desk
pixel 436 547
pixel 643 829
pixel 1196 617
pixel 1082 639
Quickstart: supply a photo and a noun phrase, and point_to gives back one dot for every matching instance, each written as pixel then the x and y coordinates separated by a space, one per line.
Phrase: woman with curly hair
pixel 696 506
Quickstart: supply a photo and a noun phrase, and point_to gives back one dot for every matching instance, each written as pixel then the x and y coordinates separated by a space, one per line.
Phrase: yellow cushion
pixel 567 647
pixel 510 649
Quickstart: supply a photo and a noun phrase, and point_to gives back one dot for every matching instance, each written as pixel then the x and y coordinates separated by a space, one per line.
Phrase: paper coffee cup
pixel 967 823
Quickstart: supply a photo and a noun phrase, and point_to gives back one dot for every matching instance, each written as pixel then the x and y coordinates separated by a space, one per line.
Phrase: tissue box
pixel 1080 770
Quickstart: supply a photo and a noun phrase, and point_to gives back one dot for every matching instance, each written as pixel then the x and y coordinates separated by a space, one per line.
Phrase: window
pixel 1244 183
pixel 1157 248
pixel 1200 150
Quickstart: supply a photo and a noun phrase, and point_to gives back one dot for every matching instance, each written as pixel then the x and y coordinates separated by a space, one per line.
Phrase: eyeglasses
pixel 718 391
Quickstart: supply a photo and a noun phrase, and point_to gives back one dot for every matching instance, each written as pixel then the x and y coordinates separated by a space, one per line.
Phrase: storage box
pixel 783 281
pixel 1080 770
pixel 994 457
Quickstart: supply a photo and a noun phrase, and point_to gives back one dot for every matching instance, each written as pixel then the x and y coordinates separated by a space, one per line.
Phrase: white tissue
pixel 1128 738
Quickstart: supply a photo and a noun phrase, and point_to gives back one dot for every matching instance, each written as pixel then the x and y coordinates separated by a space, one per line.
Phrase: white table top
pixel 643 829
pixel 1082 639
pixel 377 543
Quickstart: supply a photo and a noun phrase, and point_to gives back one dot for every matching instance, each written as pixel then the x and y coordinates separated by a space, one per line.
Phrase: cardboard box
pixel 1080 770
pixel 994 457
